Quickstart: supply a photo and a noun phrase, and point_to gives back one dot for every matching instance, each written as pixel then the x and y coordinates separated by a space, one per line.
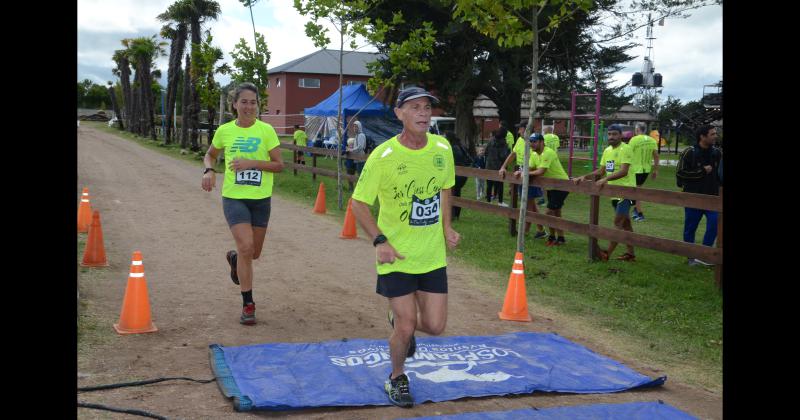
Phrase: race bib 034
pixel 424 212
pixel 610 166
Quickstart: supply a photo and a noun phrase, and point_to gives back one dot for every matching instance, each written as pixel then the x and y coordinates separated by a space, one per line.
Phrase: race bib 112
pixel 249 177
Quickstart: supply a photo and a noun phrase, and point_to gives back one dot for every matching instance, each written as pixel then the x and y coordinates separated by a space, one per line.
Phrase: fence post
pixel 296 161
pixel 718 267
pixel 594 219
pixel 314 163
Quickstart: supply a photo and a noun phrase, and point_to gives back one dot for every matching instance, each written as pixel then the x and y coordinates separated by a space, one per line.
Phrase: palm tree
pixel 143 51
pixel 177 13
pixel 123 70
pixel 200 11
pixel 114 104
pixel 186 103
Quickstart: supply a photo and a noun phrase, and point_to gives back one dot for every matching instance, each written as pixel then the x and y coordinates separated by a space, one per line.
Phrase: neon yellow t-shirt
pixel 407 184
pixel 254 143
pixel 510 140
pixel 613 158
pixel 549 159
pixel 300 138
pixel 552 141
pixel 647 154
pixel 636 144
pixel 519 151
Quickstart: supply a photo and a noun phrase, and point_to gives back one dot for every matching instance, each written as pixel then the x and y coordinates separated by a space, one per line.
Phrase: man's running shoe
pixel 551 241
pixel 398 392
pixel 561 241
pixel 603 255
pixel 412 345
pixel 231 257
pixel 248 314
pixel 539 235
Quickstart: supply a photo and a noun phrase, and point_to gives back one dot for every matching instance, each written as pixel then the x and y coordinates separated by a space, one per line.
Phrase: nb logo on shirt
pixel 245 145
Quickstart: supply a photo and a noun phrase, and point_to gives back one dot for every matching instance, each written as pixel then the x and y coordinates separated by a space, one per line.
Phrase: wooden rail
pixel 591 229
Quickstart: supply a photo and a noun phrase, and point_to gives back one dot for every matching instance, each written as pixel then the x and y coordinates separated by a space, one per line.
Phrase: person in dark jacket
pixel 461 157
pixel 496 153
pixel 697 173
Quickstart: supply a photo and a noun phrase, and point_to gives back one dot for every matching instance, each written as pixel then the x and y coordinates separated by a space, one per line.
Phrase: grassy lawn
pixel 658 309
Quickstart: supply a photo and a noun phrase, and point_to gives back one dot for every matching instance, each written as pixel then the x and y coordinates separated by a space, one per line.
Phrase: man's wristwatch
pixel 379 240
pixel 205 171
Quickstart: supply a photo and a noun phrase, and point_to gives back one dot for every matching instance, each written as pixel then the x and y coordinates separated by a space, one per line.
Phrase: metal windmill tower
pixel 647 82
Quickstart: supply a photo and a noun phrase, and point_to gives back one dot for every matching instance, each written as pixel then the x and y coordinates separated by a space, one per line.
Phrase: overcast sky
pixel 687 52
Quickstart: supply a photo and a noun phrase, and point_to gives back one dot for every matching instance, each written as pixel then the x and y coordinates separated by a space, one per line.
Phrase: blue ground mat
pixel 284 376
pixel 653 410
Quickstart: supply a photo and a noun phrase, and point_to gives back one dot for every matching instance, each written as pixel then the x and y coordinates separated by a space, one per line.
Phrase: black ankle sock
pixel 561 239
pixel 247 297
pixel 551 238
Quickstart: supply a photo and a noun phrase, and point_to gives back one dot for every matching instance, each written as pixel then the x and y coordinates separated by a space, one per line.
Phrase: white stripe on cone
pixel 137 274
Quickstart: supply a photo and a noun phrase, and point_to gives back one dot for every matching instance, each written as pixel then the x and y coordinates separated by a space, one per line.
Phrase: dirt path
pixel 310 286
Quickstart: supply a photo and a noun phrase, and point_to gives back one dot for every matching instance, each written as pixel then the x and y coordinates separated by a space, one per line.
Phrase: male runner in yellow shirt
pixel 411 175
pixel 614 169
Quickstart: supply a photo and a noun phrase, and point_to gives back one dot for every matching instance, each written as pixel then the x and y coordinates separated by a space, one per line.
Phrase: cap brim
pixel 419 95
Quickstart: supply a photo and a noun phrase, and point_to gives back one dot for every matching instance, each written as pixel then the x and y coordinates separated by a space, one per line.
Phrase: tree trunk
pixel 523 202
pixel 194 112
pixel 133 124
pixel 125 81
pixel 339 124
pixel 173 77
pixel 465 121
pixel 185 104
pixel 115 106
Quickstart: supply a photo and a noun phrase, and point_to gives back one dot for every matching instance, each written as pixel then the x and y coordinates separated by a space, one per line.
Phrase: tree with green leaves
pixel 344 16
pixel 143 52
pixel 205 66
pixel 249 4
pixel 112 95
pixel 251 66
pixel 177 14
pixel 123 70
pixel 200 11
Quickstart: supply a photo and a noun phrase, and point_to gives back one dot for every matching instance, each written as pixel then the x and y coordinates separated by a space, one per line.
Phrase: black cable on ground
pixel 138 383
pixel 121 410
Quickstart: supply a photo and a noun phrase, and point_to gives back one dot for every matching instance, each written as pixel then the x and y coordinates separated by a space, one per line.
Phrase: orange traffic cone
pixel 94 255
pixel 84 212
pixel 349 229
pixel 319 206
pixel 135 315
pixel 515 307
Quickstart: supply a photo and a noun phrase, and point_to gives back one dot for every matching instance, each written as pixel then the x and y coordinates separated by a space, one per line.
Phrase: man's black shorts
pixel 555 199
pixel 640 178
pixel 400 284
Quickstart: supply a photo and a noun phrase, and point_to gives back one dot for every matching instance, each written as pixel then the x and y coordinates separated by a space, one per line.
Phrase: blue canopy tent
pixel 377 119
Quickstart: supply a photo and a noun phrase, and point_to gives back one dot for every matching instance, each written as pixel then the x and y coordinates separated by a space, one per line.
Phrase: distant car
pixel 439 125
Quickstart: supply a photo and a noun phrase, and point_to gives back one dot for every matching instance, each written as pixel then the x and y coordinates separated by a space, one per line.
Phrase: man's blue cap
pixel 536 137
pixel 615 127
pixel 414 93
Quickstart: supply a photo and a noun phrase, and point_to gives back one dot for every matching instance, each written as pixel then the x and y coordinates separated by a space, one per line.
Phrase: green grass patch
pixel 92 330
pixel 658 308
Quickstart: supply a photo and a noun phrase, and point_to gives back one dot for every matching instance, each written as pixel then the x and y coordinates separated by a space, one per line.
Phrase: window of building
pixel 278 112
pixel 308 83
pixel 277 82
pixel 356 82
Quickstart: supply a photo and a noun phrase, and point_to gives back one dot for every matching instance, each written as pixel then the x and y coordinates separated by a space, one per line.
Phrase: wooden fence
pixel 591 229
